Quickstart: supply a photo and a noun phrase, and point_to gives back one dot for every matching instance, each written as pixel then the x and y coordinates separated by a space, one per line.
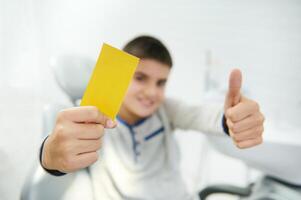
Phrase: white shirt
pixel 141 162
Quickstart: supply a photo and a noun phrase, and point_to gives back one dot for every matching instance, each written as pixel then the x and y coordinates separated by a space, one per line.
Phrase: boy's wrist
pixel 44 160
pixel 45 157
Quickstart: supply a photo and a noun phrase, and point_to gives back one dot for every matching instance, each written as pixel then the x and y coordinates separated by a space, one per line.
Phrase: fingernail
pixel 109 124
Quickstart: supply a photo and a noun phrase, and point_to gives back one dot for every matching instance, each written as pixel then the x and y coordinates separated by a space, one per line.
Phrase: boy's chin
pixel 146 113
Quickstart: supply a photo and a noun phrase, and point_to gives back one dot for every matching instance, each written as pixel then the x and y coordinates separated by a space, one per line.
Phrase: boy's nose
pixel 150 91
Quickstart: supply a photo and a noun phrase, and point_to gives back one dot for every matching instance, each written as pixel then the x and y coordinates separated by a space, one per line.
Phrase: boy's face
pixel 146 91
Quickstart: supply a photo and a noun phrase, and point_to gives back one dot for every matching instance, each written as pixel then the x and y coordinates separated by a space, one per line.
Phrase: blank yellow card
pixel 110 79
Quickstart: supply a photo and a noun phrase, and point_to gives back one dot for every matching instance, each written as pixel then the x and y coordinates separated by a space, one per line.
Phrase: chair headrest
pixel 72 74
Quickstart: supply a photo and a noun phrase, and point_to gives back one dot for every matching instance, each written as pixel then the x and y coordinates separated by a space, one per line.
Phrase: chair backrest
pixel 72 74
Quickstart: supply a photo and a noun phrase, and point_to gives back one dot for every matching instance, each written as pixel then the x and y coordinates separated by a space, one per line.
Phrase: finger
pixel 235 85
pixel 249 143
pixel 86 159
pixel 247 123
pixel 242 110
pixel 88 131
pixel 86 146
pixel 248 134
pixel 233 94
pixel 111 124
pixel 86 114
pixel 230 125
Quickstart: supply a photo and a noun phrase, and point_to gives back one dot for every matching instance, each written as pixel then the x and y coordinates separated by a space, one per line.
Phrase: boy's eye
pixel 161 83
pixel 139 78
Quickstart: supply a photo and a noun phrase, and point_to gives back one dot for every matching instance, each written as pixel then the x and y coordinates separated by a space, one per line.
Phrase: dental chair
pixel 277 158
pixel 36 186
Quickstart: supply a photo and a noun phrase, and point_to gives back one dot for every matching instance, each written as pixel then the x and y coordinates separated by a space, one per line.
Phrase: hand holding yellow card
pixel 110 79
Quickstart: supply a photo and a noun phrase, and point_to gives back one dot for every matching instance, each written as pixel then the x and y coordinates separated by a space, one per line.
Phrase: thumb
pixel 233 94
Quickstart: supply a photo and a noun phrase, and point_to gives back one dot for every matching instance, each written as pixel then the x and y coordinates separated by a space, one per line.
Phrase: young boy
pixel 138 158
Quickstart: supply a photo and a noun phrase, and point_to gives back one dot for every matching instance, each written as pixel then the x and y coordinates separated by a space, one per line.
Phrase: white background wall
pixel 262 37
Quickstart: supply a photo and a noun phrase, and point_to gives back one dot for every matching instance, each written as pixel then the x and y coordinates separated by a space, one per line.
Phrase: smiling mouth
pixel 146 103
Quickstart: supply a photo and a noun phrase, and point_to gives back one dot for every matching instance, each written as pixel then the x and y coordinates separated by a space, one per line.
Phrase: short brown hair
pixel 148 47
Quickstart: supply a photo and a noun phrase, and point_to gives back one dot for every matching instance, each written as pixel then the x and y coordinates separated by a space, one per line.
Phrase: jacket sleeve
pixel 207 118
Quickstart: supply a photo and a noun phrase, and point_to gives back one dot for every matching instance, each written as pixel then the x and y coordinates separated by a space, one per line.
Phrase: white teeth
pixel 146 103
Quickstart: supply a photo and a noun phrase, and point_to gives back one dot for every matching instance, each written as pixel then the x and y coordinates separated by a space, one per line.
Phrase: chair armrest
pixel 225 189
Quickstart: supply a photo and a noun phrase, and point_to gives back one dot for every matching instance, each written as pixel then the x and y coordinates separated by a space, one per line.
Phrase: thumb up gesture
pixel 243 116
